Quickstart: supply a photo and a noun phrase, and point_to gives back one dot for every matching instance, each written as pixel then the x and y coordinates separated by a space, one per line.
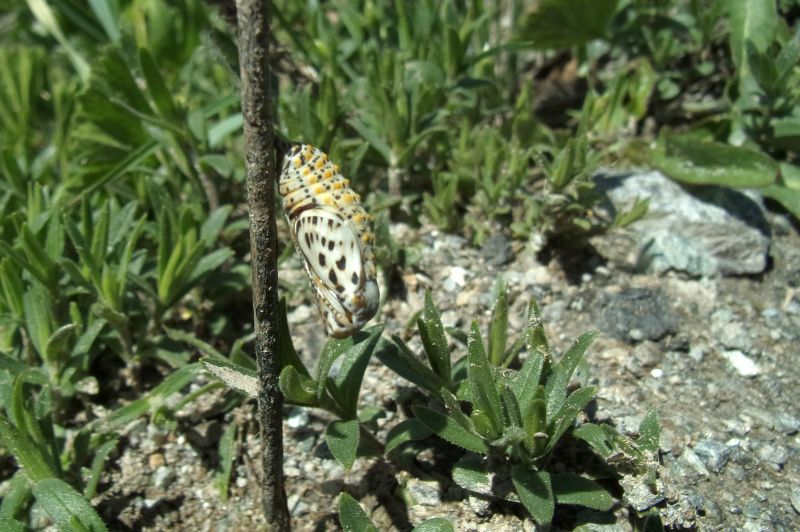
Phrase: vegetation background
pixel 123 234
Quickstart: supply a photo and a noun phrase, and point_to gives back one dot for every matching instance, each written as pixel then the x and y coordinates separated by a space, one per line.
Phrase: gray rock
pixel 479 505
pixel 205 434
pixel 297 418
pixel 641 309
pixel 796 498
pixel 714 454
pixel 163 477
pixel 710 231
pixel 744 365
pixel 775 455
pixel 496 250
pixel 425 492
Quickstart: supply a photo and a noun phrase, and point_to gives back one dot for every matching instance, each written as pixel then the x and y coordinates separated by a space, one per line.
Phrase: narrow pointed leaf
pixel 237 377
pixel 481 380
pixel 498 328
pixel 447 429
pixel 431 332
pixel 65 505
pixel 402 361
pixel 556 387
pixel 347 384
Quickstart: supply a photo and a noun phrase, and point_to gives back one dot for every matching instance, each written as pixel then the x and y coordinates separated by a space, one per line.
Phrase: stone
pixel 714 454
pixel 707 231
pixel 744 365
pixel 643 310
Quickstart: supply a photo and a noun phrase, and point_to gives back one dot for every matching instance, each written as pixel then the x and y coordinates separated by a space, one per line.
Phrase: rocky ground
pixel 700 319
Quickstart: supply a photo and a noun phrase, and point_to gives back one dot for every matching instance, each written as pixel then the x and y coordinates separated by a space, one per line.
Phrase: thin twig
pixel 253 24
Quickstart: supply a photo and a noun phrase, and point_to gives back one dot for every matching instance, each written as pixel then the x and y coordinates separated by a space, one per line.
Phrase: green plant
pixel 510 422
pixel 353 518
pixel 335 386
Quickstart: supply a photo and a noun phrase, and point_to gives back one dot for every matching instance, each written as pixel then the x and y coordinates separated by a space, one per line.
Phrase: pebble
pixel 155 461
pixel 775 455
pixel 297 418
pixel 796 498
pixel 163 477
pixel 479 505
pixel 714 454
pixel 456 279
pixel 744 365
pixel 425 492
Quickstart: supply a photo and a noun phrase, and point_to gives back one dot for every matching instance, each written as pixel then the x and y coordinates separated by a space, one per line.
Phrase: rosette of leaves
pixel 334 386
pixel 508 421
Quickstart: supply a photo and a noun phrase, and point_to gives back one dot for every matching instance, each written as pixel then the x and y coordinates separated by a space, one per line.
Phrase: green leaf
pixel 402 361
pixel 789 198
pixel 374 139
pixel 471 474
pixel 526 381
pixel 534 422
pixel 561 421
pixel 347 383
pixel 406 431
pixel 481 380
pixel 431 332
pixel 98 461
pixel 352 517
pixel 191 339
pixel 596 437
pixel 11 525
pixel 649 432
pixel 16 497
pixel 556 24
pixel 342 438
pixel 12 288
pixel 333 350
pixel 107 14
pixel 535 492
pixel 696 162
pixel 150 402
pixel 26 453
pixel 449 430
pixel 57 342
pixel 237 377
pixel 752 22
pixel 65 505
pixel 556 387
pixel 434 524
pixel 99 244
pixel 298 388
pixel 36 254
pixel 535 337
pixel 38 320
pixel 286 350
pixel 157 88
pixel 227 455
pixel 214 224
pixel 575 490
pixel 498 327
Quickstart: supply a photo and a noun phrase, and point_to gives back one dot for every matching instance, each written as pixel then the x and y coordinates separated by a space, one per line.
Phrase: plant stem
pixel 254 36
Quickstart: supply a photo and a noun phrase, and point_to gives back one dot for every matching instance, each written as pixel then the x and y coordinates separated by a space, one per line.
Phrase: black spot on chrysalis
pixel 341 263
